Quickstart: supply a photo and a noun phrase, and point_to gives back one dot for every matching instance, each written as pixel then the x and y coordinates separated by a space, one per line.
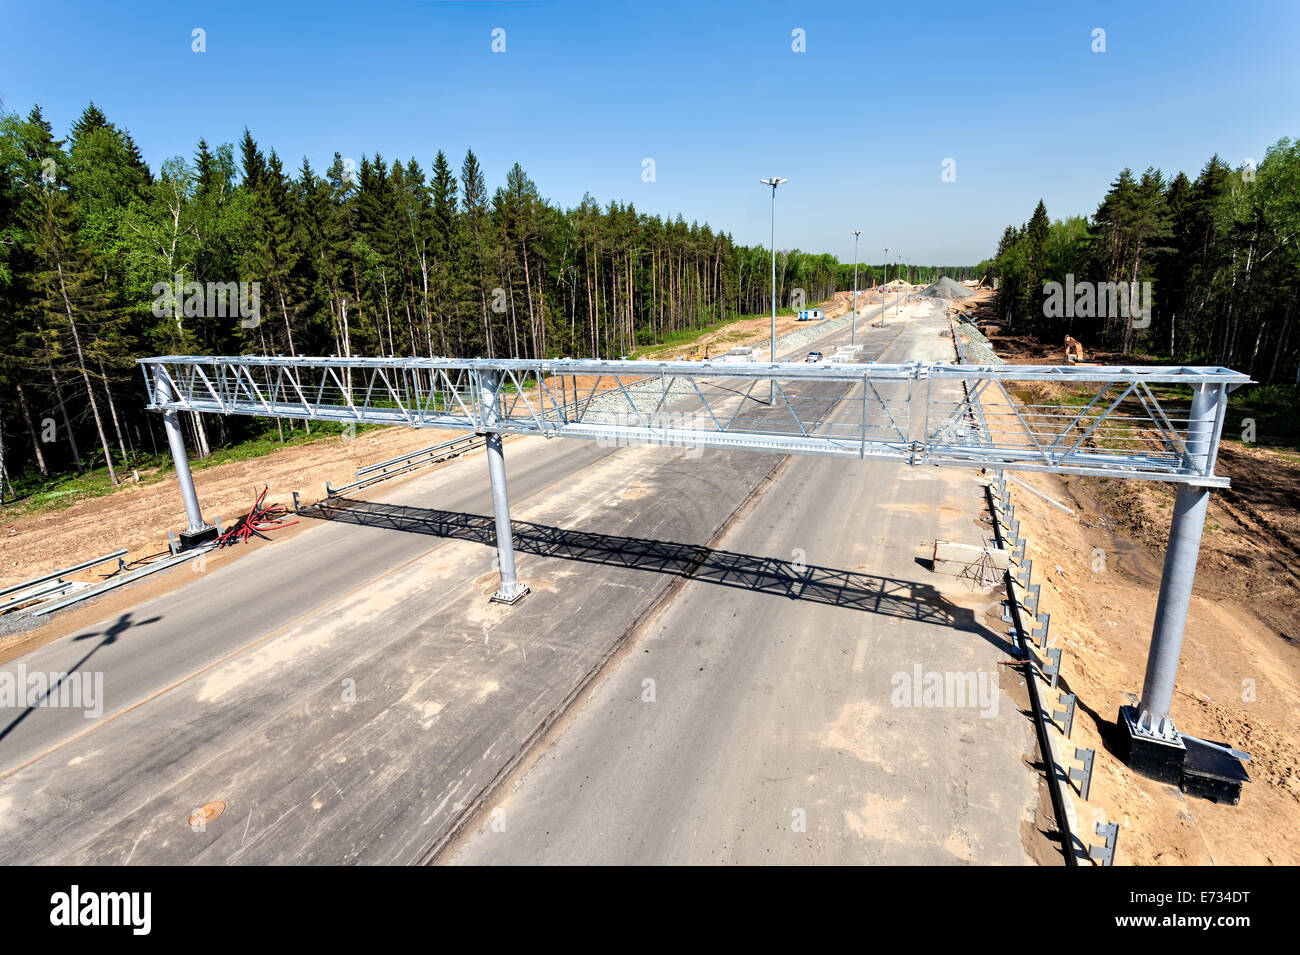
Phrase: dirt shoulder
pixel 138 516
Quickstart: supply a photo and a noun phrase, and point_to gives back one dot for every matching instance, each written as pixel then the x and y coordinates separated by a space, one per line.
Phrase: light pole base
pixel 511 594
pixel 1153 754
pixel 192 539
pixel 1198 767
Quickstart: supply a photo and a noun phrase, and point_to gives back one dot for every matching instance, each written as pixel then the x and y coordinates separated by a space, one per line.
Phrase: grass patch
pixel 1272 409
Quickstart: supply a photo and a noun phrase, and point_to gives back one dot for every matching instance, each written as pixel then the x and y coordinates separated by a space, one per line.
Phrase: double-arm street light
pixel 853 327
pixel 773 182
pixel 884 289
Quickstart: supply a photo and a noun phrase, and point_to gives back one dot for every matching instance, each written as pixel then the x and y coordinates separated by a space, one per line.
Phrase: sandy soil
pixel 1240 665
pixel 138 516
pixel 1237 683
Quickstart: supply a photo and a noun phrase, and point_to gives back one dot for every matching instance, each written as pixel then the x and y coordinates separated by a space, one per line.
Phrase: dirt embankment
pixel 138 516
pixel 1239 679
pixel 1250 553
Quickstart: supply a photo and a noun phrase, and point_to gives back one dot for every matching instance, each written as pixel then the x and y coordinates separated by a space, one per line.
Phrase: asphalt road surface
pixel 750 727
pixel 348 695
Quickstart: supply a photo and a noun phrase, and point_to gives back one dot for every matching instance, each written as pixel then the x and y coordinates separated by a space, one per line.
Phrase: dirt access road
pixel 756 332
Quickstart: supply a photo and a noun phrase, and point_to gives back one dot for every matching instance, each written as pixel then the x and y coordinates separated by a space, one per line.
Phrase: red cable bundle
pixel 256 521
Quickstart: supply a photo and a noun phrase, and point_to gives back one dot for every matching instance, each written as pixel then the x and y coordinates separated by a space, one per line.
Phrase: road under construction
pixel 729 623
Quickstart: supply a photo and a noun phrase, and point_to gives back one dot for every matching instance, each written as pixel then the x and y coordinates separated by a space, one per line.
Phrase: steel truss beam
pixel 1109 421
pixel 1106 421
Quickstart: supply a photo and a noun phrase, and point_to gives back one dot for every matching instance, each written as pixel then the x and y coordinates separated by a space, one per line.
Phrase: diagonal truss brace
pixel 1111 421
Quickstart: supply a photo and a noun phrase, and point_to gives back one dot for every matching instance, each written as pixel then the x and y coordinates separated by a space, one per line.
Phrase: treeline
pixel 368 258
pixel 1221 253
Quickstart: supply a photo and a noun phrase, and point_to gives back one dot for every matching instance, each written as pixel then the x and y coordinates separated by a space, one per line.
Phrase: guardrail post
pixel 1155 747
pixel 197 530
pixel 511 590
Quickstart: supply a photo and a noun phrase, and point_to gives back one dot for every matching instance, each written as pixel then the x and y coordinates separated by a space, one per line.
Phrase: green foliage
pixel 370 257
pixel 1222 254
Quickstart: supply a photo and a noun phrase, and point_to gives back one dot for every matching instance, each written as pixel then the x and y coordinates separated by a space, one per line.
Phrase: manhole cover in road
pixel 205 814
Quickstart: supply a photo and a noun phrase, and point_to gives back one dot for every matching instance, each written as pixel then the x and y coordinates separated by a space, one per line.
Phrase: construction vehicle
pixel 1074 353
pixel 698 353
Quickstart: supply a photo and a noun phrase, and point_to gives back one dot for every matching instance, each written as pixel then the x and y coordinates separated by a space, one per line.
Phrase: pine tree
pixel 476 253
pixel 68 291
pixel 254 164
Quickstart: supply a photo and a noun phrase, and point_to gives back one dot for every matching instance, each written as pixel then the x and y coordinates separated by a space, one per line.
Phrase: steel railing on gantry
pixel 1112 421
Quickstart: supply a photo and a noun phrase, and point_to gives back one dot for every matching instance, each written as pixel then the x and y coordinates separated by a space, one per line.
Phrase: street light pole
pixel 898 267
pixel 853 327
pixel 773 182
pixel 884 289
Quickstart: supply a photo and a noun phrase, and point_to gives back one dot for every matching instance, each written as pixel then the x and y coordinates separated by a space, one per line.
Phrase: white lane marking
pixel 860 657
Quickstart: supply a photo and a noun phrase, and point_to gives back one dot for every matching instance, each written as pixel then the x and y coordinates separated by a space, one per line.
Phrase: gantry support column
pixel 1155 746
pixel 511 590
pixel 197 531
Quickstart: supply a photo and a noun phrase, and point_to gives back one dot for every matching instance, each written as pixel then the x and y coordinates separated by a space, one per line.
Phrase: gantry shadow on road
pixel 888 596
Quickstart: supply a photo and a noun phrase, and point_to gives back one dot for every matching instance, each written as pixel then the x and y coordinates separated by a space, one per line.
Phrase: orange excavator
pixel 1074 354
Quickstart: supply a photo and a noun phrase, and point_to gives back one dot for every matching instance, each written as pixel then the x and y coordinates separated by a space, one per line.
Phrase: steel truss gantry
pixel 1128 422
pixel 1112 423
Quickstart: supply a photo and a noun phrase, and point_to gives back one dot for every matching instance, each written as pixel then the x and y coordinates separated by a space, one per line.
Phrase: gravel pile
pixel 947 288
pixel 976 347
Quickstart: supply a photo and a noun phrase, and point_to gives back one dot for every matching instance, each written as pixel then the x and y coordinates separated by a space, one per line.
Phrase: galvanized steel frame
pixel 1123 431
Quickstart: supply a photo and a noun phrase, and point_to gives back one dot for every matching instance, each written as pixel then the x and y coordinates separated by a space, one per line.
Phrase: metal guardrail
pixel 40 592
pixel 116 582
pixel 1062 808
pixel 383 470
pixel 412 457
pixel 54 575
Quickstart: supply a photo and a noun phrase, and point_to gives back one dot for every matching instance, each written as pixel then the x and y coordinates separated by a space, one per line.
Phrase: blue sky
pixel 860 123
